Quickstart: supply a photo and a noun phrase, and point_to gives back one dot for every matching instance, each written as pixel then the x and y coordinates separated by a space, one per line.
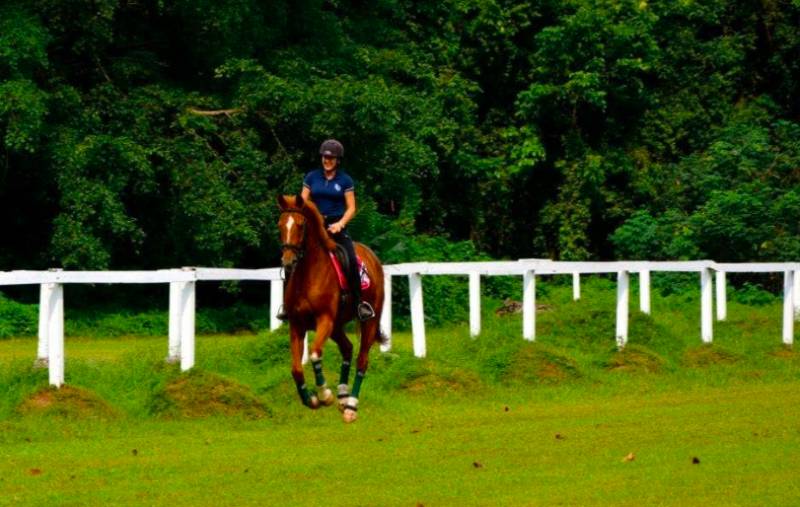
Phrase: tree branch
pixel 214 112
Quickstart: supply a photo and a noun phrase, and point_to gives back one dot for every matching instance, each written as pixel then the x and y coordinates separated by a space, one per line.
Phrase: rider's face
pixel 328 163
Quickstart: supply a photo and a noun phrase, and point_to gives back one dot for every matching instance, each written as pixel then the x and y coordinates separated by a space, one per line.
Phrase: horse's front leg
pixel 296 339
pixel 369 335
pixel 324 330
pixel 346 349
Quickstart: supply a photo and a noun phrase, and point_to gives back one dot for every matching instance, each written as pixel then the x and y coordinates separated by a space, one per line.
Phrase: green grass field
pixel 490 421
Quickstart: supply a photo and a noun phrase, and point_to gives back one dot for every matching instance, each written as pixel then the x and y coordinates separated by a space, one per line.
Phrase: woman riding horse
pixel 313 297
pixel 333 191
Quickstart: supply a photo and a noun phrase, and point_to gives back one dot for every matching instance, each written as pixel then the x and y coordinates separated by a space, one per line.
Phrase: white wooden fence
pixel 182 296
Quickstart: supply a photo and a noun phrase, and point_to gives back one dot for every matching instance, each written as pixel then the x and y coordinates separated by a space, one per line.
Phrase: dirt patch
pixel 636 359
pixel 201 394
pixel 536 364
pixel 510 307
pixel 68 402
pixel 707 355
pixel 785 352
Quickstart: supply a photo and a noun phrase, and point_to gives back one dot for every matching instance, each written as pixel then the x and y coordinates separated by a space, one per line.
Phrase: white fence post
pixel 474 304
pixel 187 325
pixel 417 314
pixel 706 301
pixel 644 291
pixel 174 349
pixel 722 298
pixel 42 353
pixel 529 305
pixel 55 335
pixel 576 286
pixel 788 307
pixel 796 296
pixel 623 298
pixel 386 316
pixel 275 302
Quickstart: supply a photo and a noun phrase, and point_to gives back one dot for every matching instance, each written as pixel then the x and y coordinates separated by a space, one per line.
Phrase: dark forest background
pixel 156 133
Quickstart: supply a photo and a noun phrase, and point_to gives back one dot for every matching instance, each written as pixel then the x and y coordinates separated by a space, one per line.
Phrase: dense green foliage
pixel 155 134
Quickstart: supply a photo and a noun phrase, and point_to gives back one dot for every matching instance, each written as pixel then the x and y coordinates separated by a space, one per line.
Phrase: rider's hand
pixel 335 228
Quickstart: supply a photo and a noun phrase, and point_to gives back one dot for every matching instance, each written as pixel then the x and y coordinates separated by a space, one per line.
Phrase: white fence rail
pixel 182 284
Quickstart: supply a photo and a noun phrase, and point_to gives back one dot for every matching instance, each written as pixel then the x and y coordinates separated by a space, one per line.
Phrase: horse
pixel 314 300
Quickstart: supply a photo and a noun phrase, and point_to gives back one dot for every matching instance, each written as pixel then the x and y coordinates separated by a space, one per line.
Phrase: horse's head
pixel 292 226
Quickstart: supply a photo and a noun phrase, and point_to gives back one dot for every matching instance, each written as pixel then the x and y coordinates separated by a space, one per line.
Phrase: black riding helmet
pixel 331 148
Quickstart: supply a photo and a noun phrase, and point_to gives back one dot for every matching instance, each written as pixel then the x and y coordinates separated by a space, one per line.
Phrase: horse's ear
pixel 299 200
pixel 282 201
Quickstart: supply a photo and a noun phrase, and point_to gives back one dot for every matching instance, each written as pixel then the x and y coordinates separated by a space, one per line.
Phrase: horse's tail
pixel 381 338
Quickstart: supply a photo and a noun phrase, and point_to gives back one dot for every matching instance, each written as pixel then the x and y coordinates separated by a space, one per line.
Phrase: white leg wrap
pixel 352 402
pixel 325 394
pixel 314 356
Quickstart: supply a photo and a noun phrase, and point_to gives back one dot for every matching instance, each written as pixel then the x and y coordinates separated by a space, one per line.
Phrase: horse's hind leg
pixel 324 330
pixel 346 349
pixel 369 334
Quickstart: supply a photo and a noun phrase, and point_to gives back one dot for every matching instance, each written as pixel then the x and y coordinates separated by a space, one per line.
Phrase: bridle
pixel 298 248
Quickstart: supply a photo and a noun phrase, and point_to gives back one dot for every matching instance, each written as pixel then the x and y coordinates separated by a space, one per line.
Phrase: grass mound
pixel 707 355
pixel 537 364
pixel 270 349
pixel 443 379
pixel 636 359
pixel 202 394
pixel 68 402
pixel 420 376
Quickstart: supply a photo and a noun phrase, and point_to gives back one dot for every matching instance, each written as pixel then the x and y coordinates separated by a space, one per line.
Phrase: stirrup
pixel 365 311
pixel 282 315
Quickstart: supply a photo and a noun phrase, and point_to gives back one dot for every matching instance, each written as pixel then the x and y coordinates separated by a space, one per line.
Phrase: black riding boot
pixel 363 310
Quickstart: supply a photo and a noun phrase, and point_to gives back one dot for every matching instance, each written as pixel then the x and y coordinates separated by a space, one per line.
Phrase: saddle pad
pixel 362 271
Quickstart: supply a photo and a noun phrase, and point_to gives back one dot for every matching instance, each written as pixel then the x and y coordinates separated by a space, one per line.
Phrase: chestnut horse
pixel 313 300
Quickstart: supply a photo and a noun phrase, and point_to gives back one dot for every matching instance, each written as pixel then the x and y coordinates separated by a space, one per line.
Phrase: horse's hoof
pixel 349 415
pixel 326 396
pixel 313 402
pixel 342 403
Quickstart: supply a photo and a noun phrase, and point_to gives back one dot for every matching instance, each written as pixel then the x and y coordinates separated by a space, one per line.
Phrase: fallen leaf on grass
pixel 629 457
pixel 477 464
pixel 35 471
pixel 695 460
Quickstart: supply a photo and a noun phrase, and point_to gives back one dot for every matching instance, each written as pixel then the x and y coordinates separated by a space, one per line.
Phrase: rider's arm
pixel 305 193
pixel 350 205
pixel 350 210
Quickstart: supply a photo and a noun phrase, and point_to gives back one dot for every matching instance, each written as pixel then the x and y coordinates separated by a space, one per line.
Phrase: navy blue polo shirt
pixel 328 194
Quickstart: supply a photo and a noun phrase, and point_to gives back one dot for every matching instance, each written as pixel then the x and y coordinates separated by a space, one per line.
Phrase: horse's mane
pixel 311 213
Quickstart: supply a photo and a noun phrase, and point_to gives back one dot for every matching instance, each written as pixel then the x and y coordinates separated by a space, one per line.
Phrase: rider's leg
pixel 363 310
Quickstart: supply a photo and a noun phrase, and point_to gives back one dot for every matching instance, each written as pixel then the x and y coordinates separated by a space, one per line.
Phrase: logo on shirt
pixel 337 187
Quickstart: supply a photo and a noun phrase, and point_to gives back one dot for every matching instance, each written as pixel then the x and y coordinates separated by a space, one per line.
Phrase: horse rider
pixel 333 192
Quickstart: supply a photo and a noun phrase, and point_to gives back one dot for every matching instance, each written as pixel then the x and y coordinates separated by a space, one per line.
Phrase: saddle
pixel 341 264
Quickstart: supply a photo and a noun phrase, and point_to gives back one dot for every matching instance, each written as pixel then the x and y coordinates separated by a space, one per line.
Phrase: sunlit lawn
pixel 485 421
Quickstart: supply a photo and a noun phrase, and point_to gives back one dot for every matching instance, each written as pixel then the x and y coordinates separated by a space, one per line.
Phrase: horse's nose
pixel 288 260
